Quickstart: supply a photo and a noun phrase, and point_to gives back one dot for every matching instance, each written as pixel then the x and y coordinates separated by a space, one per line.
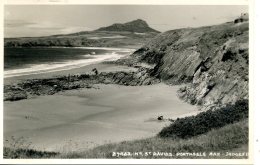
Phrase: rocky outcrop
pixel 212 61
pixel 13 93
pixel 50 86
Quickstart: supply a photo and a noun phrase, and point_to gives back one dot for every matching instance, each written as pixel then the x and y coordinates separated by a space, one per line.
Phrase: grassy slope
pixel 231 137
pixel 27 153
pixel 213 59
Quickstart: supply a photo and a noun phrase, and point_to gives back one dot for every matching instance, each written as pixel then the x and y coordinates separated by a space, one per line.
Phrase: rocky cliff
pixel 49 86
pixel 212 61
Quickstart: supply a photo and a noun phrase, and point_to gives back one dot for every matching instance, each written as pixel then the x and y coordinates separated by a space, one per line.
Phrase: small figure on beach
pixel 160 117
pixel 95 71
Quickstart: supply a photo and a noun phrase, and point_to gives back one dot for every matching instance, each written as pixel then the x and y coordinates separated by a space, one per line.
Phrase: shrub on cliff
pixel 205 121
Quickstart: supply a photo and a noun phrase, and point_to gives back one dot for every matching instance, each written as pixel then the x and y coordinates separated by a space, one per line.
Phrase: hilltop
pixel 139 26
pixel 131 34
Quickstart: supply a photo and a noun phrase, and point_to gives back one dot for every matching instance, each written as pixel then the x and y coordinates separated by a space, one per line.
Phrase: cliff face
pixel 212 61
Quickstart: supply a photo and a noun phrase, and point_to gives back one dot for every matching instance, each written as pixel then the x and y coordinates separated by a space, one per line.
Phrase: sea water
pixel 26 61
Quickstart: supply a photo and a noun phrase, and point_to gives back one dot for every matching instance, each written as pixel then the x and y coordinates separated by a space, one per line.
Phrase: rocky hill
pixel 139 26
pixel 131 34
pixel 212 61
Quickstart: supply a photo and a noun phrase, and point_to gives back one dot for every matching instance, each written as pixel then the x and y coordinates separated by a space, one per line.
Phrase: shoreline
pixel 102 67
pixel 112 54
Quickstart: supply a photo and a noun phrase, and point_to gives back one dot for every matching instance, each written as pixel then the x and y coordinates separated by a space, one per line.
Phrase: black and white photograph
pixel 124 81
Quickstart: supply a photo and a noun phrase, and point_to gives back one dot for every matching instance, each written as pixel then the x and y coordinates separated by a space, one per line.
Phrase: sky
pixel 44 20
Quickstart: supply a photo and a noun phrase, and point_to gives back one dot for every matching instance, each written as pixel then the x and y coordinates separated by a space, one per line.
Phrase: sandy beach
pixel 80 119
pixel 75 120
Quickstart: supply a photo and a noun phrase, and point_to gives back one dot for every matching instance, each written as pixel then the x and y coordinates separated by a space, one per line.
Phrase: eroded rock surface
pixel 51 86
pixel 212 61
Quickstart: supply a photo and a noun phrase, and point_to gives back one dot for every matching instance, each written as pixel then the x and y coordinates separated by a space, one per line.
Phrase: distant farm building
pixel 244 17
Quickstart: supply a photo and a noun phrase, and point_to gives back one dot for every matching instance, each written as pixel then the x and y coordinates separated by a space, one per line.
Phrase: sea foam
pixel 72 64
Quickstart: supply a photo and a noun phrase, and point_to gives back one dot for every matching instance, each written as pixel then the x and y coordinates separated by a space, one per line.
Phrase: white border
pixel 128 2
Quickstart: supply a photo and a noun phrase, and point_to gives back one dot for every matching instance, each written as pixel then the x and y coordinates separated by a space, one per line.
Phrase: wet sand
pixel 80 119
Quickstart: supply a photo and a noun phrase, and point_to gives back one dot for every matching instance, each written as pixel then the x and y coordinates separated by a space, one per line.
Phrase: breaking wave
pixel 72 64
